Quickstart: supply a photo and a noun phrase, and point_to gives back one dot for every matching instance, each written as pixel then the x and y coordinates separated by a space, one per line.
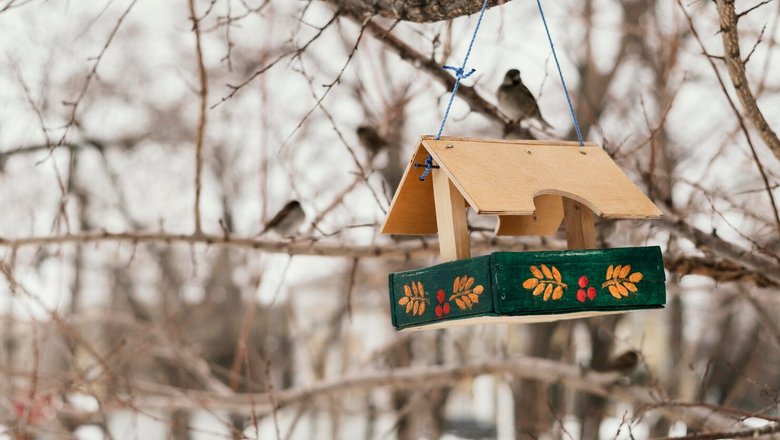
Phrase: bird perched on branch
pixel 625 363
pixel 287 221
pixel 517 102
pixel 370 139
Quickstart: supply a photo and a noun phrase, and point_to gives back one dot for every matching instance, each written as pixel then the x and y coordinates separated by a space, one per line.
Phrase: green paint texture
pixel 502 275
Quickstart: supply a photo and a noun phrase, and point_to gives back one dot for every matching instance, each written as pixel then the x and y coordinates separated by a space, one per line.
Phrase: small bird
pixel 370 139
pixel 287 221
pixel 517 102
pixel 625 363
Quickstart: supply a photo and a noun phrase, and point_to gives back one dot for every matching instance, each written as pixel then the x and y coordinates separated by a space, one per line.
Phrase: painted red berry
pixel 440 295
pixel 591 293
pixel 446 308
pixel 583 282
pixel 581 295
pixel 438 311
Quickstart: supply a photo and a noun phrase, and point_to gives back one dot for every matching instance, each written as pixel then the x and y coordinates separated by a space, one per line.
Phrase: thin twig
pixel 74 105
pixel 235 88
pixel 203 94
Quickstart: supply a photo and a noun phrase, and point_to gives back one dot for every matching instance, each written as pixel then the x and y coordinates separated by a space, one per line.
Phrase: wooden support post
pixel 450 219
pixel 580 230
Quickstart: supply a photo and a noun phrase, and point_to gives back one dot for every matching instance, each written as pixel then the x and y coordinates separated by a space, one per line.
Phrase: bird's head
pixel 364 130
pixel 512 77
pixel 291 205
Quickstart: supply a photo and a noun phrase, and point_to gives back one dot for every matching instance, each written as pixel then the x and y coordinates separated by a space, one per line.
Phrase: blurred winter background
pixel 133 308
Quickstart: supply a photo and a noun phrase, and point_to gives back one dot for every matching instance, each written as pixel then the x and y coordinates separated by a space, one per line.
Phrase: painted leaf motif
pixel 557 274
pixel 620 281
pixel 548 291
pixel 530 283
pixel 414 300
pixel 547 281
pixel 465 293
pixel 557 293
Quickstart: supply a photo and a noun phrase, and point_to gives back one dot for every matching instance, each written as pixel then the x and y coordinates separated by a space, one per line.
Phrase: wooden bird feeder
pixel 533 187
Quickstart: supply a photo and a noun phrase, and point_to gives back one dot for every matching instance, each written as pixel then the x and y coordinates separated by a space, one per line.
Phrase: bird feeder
pixel 532 187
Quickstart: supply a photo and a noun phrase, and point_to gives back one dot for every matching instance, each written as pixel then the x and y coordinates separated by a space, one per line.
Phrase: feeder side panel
pixel 556 282
pixel 450 291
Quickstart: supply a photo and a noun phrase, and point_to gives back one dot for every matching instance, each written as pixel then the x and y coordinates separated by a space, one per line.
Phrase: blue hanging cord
pixel 460 74
pixel 560 72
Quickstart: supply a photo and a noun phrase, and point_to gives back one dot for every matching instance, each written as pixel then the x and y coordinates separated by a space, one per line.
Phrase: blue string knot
pixel 459 72
pixel 428 166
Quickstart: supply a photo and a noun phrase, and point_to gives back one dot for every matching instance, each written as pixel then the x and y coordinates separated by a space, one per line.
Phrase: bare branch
pixel 420 378
pixel 740 93
pixel 753 8
pixel 417 11
pixel 711 243
pixel 719 270
pixel 74 105
pixel 744 433
pixel 203 94
pixel 469 94
pixel 736 69
pixel 403 250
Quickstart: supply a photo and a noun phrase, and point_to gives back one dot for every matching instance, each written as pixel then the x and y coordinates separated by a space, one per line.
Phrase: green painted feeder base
pixel 526 287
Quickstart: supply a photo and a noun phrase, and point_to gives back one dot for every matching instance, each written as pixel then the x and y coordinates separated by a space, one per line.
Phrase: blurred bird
pixel 625 363
pixel 517 102
pixel 287 221
pixel 370 139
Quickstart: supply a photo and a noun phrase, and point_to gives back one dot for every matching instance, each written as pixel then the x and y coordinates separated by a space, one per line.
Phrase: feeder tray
pixel 533 187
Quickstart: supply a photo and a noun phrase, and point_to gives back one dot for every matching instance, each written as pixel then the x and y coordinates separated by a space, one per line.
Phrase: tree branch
pixel 203 94
pixel 421 11
pixel 469 94
pixel 711 243
pixel 402 250
pixel 736 69
pixel 423 378
pixel 744 433
pixel 740 265
pixel 719 270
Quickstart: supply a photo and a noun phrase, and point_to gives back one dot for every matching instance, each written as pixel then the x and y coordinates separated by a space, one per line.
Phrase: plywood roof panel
pixel 502 177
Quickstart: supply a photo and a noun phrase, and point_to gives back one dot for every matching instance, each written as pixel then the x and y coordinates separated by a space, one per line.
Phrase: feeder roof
pixel 503 177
